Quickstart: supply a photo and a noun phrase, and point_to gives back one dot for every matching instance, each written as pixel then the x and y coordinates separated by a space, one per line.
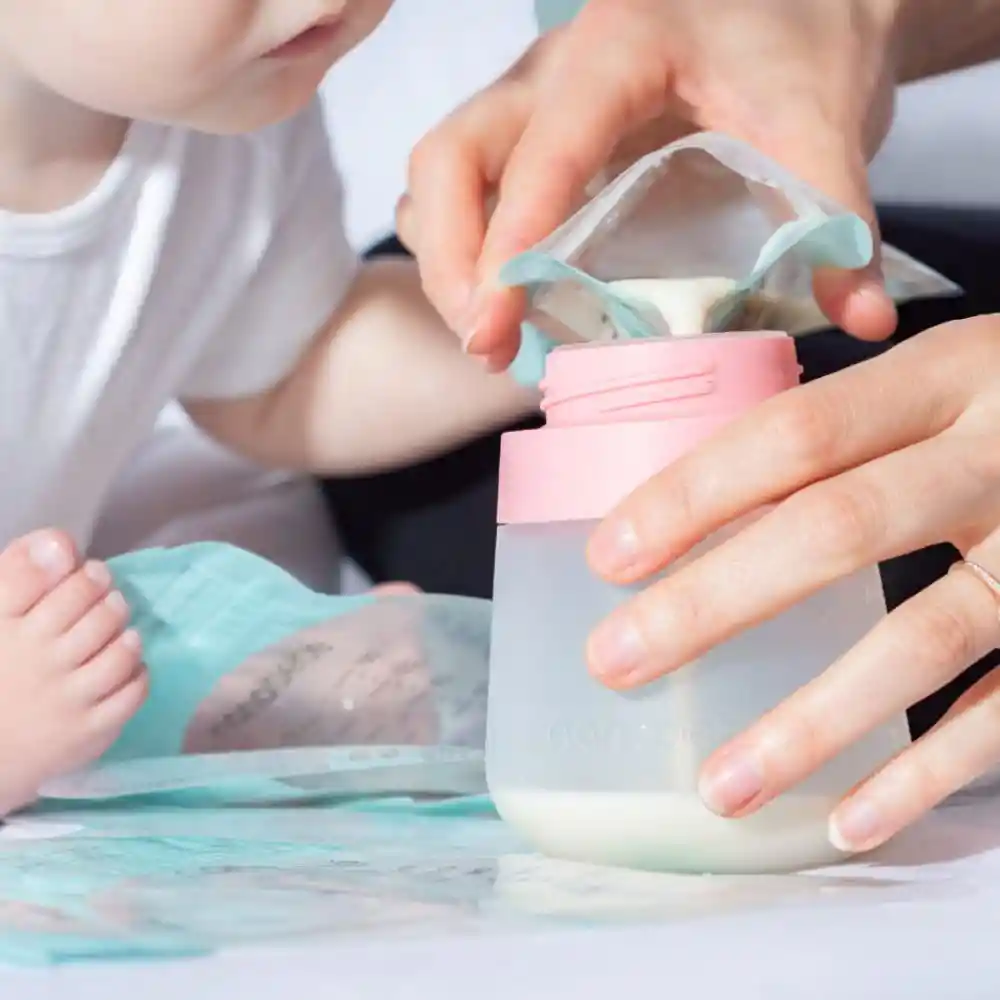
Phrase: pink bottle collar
pixel 616 414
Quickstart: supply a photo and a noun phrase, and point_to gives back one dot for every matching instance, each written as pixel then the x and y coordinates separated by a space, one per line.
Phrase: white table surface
pixel 918 922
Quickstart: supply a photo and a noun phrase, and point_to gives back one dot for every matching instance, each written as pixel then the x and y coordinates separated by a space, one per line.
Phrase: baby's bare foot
pixel 71 675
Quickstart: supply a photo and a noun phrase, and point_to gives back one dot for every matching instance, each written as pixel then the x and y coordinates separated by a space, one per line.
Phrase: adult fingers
pixel 442 222
pixel 823 115
pixel 452 176
pixel 608 77
pixel 820 535
pixel 964 746
pixel 406 228
pixel 856 301
pixel 834 163
pixel 922 645
pixel 961 748
pixel 795 439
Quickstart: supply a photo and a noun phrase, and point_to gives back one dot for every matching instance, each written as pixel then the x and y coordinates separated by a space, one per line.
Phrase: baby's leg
pixel 71 676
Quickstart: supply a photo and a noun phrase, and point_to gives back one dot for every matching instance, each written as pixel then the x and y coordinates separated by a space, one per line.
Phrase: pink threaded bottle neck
pixel 618 413
pixel 666 379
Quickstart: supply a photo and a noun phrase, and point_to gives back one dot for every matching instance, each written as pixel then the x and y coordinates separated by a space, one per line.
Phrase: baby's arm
pixel 384 385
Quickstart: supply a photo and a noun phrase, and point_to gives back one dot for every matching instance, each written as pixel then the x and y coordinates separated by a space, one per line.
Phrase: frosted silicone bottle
pixel 588 774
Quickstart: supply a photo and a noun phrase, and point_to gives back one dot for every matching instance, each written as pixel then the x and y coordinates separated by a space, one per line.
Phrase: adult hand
pixel 808 82
pixel 862 468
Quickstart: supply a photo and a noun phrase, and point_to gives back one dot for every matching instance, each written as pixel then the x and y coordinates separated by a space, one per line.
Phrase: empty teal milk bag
pixel 274 681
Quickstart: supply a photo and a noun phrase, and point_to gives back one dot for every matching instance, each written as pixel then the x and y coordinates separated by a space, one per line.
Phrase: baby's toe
pixel 31 566
pixel 69 602
pixel 111 670
pixel 104 622
pixel 106 718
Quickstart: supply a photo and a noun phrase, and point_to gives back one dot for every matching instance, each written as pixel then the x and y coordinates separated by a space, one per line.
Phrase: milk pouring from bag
pixel 703 236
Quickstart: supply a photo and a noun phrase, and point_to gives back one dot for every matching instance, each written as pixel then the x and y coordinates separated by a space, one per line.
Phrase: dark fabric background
pixel 434 524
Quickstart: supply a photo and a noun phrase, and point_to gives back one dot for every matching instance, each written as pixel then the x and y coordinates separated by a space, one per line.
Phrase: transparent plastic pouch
pixel 702 236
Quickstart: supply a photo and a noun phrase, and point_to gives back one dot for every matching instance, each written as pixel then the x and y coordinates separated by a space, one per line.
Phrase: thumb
pixel 836 165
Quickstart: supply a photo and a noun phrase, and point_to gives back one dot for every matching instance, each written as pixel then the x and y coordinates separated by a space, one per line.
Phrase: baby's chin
pixel 247 108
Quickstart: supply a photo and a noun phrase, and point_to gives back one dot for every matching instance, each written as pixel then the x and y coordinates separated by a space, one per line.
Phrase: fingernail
pixel 98 573
pixel 473 319
pixel 496 365
pixel 51 556
pixel 616 647
pixel 116 602
pixel 131 639
pixel 614 546
pixel 856 826
pixel 732 784
pixel 872 289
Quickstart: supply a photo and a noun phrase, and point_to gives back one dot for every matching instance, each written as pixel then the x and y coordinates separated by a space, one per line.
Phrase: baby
pixel 171 229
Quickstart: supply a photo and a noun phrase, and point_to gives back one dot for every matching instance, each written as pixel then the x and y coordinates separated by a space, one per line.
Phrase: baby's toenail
pixel 51 556
pixel 131 639
pixel 115 602
pixel 98 573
